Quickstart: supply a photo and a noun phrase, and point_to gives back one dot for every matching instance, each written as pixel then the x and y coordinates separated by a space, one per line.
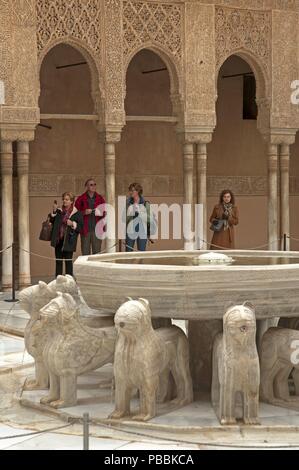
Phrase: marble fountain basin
pixel 180 288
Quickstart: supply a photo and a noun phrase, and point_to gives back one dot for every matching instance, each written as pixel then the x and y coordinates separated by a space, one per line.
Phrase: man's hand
pixel 69 223
pixel 88 211
pixel 55 206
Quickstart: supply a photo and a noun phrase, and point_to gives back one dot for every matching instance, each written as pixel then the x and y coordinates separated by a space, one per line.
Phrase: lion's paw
pixel 117 414
pixel 251 420
pixel 142 417
pixel 47 399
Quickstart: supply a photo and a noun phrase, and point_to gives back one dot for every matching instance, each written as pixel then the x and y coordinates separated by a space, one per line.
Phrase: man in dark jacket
pixel 88 204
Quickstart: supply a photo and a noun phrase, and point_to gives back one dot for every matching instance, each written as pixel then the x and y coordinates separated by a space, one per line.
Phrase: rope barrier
pixel 258 247
pixel 38 432
pixel 212 444
pixel 58 259
pixel 152 437
pixel 5 249
pixel 253 248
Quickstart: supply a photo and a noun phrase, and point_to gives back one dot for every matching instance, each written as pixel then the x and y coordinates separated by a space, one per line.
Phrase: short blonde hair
pixel 70 195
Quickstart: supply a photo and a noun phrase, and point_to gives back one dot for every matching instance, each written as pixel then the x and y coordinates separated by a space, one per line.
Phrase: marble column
pixel 272 197
pixel 23 213
pixel 188 192
pixel 285 194
pixel 202 187
pixel 7 212
pixel 110 195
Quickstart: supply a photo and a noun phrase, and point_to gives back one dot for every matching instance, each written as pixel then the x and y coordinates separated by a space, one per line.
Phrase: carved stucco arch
pixel 263 84
pixel 97 84
pixel 176 89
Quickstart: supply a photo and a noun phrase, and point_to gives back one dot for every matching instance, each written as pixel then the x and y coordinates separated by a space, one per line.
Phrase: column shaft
pixel 272 197
pixel 188 194
pixel 110 195
pixel 285 194
pixel 23 209
pixel 202 187
pixel 7 212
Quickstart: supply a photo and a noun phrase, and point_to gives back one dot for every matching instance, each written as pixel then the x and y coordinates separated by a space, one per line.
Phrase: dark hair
pixel 227 191
pixel 137 188
pixel 87 181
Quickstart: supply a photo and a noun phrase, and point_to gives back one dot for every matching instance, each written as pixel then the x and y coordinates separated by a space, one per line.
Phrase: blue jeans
pixel 141 244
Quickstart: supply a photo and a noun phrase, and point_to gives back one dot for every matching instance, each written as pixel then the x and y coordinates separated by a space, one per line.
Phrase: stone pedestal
pixel 201 335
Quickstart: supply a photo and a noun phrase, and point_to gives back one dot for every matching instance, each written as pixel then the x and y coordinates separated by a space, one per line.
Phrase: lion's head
pixel 61 310
pixel 34 297
pixel 65 284
pixel 133 318
pixel 239 324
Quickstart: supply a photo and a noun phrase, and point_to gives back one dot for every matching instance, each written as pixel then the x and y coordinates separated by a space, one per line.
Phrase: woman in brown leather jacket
pixel 225 215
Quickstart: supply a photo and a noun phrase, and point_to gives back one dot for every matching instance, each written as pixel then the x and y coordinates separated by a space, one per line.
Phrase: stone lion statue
pixel 236 367
pixel 32 299
pixel 278 358
pixel 143 356
pixel 71 349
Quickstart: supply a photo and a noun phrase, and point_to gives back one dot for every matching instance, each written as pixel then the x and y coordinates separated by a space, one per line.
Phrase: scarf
pixel 227 211
pixel 63 226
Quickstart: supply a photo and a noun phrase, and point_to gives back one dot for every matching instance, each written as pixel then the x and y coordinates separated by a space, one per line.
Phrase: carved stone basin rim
pixel 196 292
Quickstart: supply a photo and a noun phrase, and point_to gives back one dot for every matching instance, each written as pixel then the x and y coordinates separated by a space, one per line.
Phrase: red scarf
pixel 63 226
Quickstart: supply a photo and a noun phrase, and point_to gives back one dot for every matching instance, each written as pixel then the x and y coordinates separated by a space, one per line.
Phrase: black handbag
pixel 217 225
pixel 46 231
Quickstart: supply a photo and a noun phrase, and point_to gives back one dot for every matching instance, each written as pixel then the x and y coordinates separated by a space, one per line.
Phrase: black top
pixel 71 235
pixel 91 217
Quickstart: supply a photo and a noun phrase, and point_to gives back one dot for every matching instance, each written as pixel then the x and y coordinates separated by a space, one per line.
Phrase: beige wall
pixel 148 152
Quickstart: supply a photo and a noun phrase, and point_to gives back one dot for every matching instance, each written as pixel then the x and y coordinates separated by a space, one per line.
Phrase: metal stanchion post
pixel 85 431
pixel 13 299
pixel 284 242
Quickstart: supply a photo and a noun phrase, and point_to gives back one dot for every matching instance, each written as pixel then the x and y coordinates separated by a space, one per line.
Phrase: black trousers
pixel 66 255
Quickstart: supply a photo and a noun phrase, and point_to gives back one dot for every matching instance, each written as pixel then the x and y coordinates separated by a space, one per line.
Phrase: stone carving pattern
pixel 13 114
pixel 277 348
pixel 243 29
pixel 236 367
pixel 159 185
pixel 25 77
pixel 159 23
pixel 23 12
pixel 114 60
pixel 71 349
pixel 144 355
pixel 72 19
pixel 5 52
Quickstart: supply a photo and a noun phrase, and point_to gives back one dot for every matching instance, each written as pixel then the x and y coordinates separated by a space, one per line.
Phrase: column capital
pixel 13 134
pixel 110 134
pixel 194 137
pixel 280 136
